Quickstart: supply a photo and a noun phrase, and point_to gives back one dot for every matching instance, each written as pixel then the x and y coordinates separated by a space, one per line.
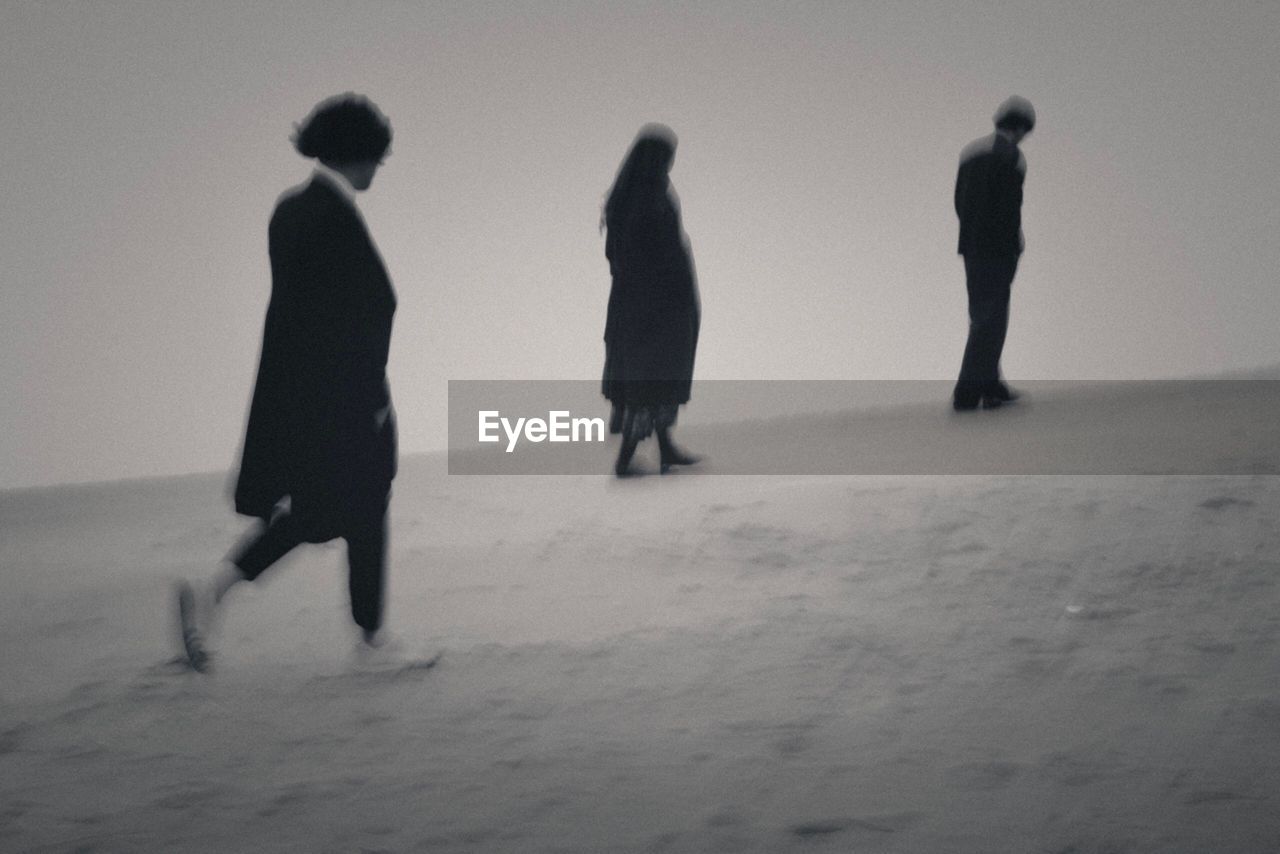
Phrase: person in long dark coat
pixel 651 331
pixel 988 201
pixel 320 445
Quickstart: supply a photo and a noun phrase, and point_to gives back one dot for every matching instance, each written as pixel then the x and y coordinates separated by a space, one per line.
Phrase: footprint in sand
pixel 1222 502
pixel 825 828
pixel 1213 647
pixel 875 824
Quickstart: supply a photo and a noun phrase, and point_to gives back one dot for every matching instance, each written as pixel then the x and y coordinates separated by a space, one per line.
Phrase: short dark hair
pixel 346 128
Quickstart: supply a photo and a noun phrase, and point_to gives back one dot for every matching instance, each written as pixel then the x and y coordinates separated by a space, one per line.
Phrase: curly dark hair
pixel 346 128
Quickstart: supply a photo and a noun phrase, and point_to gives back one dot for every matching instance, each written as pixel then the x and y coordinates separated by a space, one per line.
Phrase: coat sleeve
pixel 1006 206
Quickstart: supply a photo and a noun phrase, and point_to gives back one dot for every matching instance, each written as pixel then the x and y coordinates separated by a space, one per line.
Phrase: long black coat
pixel 321 429
pixel 651 332
pixel 988 198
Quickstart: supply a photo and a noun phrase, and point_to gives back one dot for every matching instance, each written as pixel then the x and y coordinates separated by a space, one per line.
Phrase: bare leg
pixel 227 576
pixel 198 603
pixel 208 596
pixel 197 613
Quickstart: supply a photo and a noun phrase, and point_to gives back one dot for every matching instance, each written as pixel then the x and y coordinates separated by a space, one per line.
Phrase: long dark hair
pixel 641 177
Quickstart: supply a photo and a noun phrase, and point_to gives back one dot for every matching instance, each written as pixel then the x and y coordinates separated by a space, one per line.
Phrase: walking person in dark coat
pixel 651 332
pixel 988 200
pixel 320 447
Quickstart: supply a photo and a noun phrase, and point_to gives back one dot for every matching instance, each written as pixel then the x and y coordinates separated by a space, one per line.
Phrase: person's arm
pixel 332 272
pixel 1008 200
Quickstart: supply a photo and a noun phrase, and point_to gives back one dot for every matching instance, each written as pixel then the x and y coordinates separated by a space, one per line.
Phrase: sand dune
pixel 882 663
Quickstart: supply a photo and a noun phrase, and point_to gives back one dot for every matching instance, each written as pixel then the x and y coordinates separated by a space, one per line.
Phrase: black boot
pixel 615 419
pixel 967 396
pixel 998 391
pixel 622 467
pixel 671 455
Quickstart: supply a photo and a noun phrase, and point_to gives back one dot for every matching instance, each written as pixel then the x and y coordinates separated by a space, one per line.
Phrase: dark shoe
pixel 966 396
pixel 192 640
pixel 676 457
pixel 379 640
pixel 622 468
pixel 1002 393
pixel 670 455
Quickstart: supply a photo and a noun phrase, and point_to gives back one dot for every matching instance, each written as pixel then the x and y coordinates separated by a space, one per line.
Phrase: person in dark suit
pixel 651 330
pixel 320 446
pixel 988 200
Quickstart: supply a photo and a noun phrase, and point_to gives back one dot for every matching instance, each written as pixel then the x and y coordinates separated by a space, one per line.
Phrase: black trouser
pixel 989 281
pixel 366 557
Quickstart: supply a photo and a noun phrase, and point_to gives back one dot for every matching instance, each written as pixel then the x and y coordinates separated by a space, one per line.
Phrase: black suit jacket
pixel 988 198
pixel 321 430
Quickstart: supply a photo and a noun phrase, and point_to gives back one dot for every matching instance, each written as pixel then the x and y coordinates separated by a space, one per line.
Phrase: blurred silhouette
pixel 320 446
pixel 988 199
pixel 651 331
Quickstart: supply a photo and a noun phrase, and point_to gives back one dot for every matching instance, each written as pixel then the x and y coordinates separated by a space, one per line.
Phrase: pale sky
pixel 143 145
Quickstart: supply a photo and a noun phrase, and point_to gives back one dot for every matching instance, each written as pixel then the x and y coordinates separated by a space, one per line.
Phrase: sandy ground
pixel 1058 664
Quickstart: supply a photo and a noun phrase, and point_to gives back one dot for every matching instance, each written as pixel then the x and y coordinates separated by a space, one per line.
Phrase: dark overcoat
pixel 988 198
pixel 651 331
pixel 321 429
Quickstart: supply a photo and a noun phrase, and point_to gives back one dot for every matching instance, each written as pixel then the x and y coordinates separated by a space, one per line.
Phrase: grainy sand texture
pixel 690 663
